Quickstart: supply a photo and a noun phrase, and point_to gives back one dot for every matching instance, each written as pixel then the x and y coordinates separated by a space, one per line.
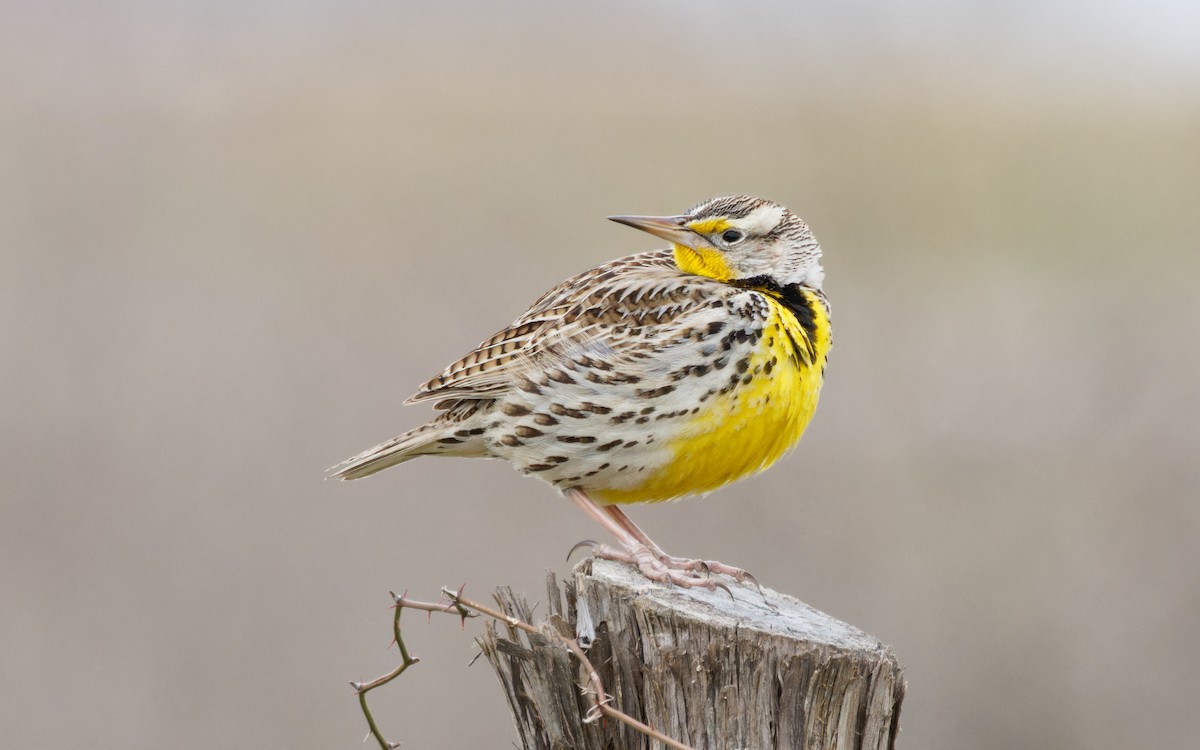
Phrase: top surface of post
pixel 769 613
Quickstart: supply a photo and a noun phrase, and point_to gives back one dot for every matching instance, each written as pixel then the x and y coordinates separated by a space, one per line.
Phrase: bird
pixel 652 377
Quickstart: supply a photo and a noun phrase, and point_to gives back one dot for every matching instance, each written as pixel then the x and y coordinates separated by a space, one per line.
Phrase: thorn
pixel 366 738
pixel 585 543
pixel 394 745
pixel 462 613
pixel 451 595
pixel 357 688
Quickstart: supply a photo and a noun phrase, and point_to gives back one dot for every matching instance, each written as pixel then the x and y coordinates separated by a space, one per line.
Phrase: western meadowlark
pixel 653 376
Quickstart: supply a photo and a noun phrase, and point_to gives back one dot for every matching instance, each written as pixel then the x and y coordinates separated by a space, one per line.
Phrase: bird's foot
pixel 708 567
pixel 672 570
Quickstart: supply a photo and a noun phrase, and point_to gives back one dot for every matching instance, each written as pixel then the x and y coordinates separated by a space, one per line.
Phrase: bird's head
pixel 739 238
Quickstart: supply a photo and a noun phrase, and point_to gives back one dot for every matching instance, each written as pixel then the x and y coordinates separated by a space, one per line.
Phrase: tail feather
pixel 420 441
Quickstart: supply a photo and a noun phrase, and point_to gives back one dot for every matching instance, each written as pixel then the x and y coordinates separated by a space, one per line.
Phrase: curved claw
pixel 727 591
pixel 757 585
pixel 585 543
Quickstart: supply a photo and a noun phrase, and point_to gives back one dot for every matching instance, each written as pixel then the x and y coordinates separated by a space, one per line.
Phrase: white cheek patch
pixel 761 220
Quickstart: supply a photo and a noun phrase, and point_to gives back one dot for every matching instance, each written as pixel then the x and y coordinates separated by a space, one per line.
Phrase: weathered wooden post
pixel 753 671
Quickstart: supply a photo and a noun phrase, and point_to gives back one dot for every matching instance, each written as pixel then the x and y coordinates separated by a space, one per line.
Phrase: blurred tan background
pixel 235 236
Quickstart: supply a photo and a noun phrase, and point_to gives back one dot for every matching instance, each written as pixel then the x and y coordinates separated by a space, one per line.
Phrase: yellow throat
pixel 748 428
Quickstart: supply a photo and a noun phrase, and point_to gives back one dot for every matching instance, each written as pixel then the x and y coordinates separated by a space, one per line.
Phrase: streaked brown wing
pixel 608 314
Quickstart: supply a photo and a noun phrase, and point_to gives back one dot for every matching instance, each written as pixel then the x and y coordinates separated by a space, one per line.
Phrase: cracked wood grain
pixel 711 671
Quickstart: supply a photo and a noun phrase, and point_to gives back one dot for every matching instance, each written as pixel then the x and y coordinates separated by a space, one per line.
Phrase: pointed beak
pixel 670 228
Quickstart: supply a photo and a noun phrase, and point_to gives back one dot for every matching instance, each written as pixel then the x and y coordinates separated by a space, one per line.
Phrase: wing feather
pixel 608 315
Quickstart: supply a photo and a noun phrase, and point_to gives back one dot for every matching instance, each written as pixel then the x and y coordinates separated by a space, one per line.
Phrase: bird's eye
pixel 731 235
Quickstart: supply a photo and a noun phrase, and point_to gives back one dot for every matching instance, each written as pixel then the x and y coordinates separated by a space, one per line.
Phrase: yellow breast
pixel 748 428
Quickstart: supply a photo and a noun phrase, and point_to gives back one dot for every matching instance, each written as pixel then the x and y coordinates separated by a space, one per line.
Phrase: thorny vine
pixel 453 602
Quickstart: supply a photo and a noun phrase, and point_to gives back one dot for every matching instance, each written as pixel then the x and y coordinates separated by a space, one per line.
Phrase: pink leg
pixel 627 523
pixel 675 563
pixel 639 550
